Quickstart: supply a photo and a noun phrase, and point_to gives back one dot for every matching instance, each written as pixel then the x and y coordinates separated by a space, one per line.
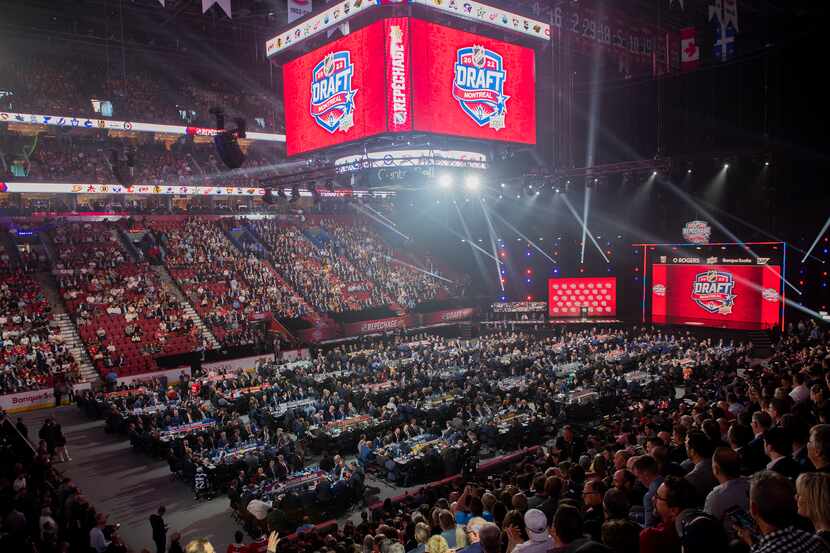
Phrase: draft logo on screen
pixel 332 95
pixel 478 86
pixel 712 291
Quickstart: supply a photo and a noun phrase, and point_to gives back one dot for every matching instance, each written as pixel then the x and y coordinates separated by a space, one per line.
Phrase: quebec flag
pixel 724 45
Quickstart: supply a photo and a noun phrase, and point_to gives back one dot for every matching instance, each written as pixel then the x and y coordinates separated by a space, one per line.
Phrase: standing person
pixel 159 530
pixel 97 539
pixel 60 445
pixel 175 543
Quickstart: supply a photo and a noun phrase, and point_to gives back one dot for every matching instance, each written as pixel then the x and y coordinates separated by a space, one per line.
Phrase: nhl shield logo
pixel 712 291
pixel 478 86
pixel 332 96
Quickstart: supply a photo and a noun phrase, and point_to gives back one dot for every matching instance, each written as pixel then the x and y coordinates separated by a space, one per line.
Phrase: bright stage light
pixel 726 166
pixel 445 180
pixel 472 182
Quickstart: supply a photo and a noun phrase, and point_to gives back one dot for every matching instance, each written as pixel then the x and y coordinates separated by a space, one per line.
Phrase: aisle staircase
pixel 76 346
pixel 68 330
pixel 170 285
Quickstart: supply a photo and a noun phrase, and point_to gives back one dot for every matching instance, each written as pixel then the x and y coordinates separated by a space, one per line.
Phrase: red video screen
pixel 472 86
pixel 723 296
pixel 335 94
pixel 568 296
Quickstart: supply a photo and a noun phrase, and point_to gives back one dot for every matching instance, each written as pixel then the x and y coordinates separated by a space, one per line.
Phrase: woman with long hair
pixel 812 490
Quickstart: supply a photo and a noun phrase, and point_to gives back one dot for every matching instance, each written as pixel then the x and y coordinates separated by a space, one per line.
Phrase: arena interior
pixel 414 276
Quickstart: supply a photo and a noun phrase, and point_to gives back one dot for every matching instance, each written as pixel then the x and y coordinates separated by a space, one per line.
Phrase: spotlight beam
pixel 379 220
pixel 586 230
pixel 469 240
pixel 419 269
pixel 689 200
pixel 529 241
pixel 758 229
pixel 461 237
pixel 492 234
pixel 584 223
pixel 379 214
pixel 818 237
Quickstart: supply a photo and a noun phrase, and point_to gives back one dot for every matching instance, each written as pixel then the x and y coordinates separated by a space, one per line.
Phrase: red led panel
pixel 336 93
pixel 723 296
pixel 472 86
pixel 567 296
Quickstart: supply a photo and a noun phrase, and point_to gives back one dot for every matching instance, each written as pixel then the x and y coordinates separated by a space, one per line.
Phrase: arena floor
pixel 131 486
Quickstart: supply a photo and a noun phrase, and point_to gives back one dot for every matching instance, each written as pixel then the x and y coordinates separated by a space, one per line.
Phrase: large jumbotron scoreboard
pixel 406 74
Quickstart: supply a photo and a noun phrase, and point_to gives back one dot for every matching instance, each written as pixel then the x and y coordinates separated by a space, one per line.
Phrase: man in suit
pixel 761 422
pixel 778 445
pixel 281 468
pixel 752 459
pixel 159 530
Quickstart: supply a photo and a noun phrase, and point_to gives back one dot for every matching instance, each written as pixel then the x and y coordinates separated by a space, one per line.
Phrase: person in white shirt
pixel 539 540
pixel 97 540
pixel 800 392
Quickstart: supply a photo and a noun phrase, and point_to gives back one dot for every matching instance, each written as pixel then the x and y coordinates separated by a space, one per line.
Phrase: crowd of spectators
pixel 231 291
pixel 405 285
pixel 57 86
pixel 320 273
pixel 41 510
pixel 34 354
pixel 740 463
pixel 124 314
pixel 86 159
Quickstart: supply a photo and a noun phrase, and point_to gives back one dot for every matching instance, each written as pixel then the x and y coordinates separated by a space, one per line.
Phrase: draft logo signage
pixel 770 295
pixel 659 290
pixel 697 232
pixel 478 86
pixel 712 291
pixel 332 95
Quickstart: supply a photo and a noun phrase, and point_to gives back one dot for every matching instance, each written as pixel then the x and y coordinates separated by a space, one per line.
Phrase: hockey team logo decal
pixel 478 85
pixel 712 291
pixel 332 96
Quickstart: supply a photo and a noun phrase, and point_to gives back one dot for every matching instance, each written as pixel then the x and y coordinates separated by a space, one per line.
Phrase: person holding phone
pixel 773 508
pixel 732 490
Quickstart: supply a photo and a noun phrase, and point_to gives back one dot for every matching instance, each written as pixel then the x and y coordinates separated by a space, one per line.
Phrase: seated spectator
pixel 673 496
pixel 622 536
pixel 700 449
pixel 778 446
pixel 773 507
pixel 568 533
pixel 732 490
pixel 538 537
pixel 818 447
pixel 813 499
